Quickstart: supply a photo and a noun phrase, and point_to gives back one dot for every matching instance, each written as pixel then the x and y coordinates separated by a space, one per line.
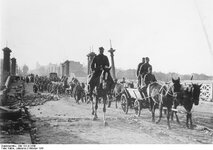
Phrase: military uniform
pixel 144 69
pixel 139 68
pixel 140 72
pixel 99 62
pixel 149 78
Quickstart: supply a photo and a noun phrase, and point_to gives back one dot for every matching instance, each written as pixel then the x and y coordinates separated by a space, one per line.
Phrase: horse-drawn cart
pixel 133 98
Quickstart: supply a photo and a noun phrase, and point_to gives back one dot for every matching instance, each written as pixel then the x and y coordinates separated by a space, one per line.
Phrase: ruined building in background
pixel 13 67
pixel 70 68
pixel 1 71
pixel 6 64
pixel 90 57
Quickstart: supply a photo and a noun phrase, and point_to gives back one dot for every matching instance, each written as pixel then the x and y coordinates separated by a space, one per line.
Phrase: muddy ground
pixel 66 122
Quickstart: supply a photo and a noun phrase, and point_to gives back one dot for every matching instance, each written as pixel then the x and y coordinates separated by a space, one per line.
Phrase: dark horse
pixel 188 95
pixel 73 84
pixel 162 95
pixel 100 87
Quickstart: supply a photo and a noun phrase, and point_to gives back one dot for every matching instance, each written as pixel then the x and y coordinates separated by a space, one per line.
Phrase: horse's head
pixel 196 93
pixel 106 79
pixel 176 84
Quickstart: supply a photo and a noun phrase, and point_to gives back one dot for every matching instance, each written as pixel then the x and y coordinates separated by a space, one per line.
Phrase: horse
pixel 162 95
pixel 78 92
pixel 73 84
pixel 100 88
pixel 117 92
pixel 188 95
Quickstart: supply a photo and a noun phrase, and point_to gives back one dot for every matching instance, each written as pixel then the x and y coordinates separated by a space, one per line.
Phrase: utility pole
pixel 204 29
pixel 111 51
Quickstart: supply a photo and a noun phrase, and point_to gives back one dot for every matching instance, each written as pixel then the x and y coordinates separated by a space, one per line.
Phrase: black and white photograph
pixel 97 72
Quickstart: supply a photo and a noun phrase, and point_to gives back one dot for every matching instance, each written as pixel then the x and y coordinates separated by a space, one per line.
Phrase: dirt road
pixel 64 121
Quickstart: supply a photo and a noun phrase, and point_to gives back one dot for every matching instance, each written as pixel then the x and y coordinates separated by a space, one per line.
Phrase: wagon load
pixel 133 98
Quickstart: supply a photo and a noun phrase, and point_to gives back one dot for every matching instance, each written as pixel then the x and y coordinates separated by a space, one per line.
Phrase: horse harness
pixel 168 92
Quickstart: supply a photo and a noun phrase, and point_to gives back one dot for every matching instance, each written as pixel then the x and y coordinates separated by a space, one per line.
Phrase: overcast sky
pixel 169 32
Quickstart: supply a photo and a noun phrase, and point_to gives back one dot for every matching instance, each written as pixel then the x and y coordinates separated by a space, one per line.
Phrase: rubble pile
pixel 38 99
pixel 16 125
pixel 15 94
pixel 14 119
pixel 14 116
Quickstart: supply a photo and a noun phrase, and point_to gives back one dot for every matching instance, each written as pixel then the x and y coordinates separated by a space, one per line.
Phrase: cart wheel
pixel 124 103
pixel 137 107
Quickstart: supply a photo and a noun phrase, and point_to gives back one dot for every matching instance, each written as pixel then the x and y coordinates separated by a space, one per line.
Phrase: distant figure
pixel 99 62
pixel 123 81
pixel 32 78
pixel 35 88
pixel 27 79
pixel 131 85
pixel 140 71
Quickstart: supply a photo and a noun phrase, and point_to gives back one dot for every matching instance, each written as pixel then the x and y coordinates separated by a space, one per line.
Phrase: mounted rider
pixel 139 71
pixel 98 64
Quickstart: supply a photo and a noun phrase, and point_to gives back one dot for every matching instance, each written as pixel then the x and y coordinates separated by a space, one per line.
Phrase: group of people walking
pixel 45 84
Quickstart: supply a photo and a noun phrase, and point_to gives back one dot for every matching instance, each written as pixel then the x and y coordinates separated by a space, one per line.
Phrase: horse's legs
pixel 172 115
pixel 153 111
pixel 177 118
pixel 172 112
pixel 187 119
pixel 82 98
pixel 109 100
pixel 168 116
pixel 104 110
pixel 150 104
pixel 190 119
pixel 116 102
pixel 92 104
pixel 160 112
pixel 165 111
pixel 96 107
pixel 91 99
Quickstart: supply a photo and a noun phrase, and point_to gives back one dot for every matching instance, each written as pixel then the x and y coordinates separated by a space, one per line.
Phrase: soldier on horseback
pixel 98 63
pixel 101 82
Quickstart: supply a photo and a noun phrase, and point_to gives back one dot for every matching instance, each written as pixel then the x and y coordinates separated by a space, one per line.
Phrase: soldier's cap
pixel 147 58
pixel 101 48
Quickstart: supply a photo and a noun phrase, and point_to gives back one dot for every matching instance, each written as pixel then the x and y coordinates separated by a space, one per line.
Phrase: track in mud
pixel 65 122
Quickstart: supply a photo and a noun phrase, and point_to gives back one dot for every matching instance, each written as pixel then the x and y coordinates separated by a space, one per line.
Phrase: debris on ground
pixel 38 99
pixel 14 116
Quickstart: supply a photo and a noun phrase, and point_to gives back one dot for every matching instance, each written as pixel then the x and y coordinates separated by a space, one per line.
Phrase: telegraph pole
pixel 111 51
pixel 204 28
